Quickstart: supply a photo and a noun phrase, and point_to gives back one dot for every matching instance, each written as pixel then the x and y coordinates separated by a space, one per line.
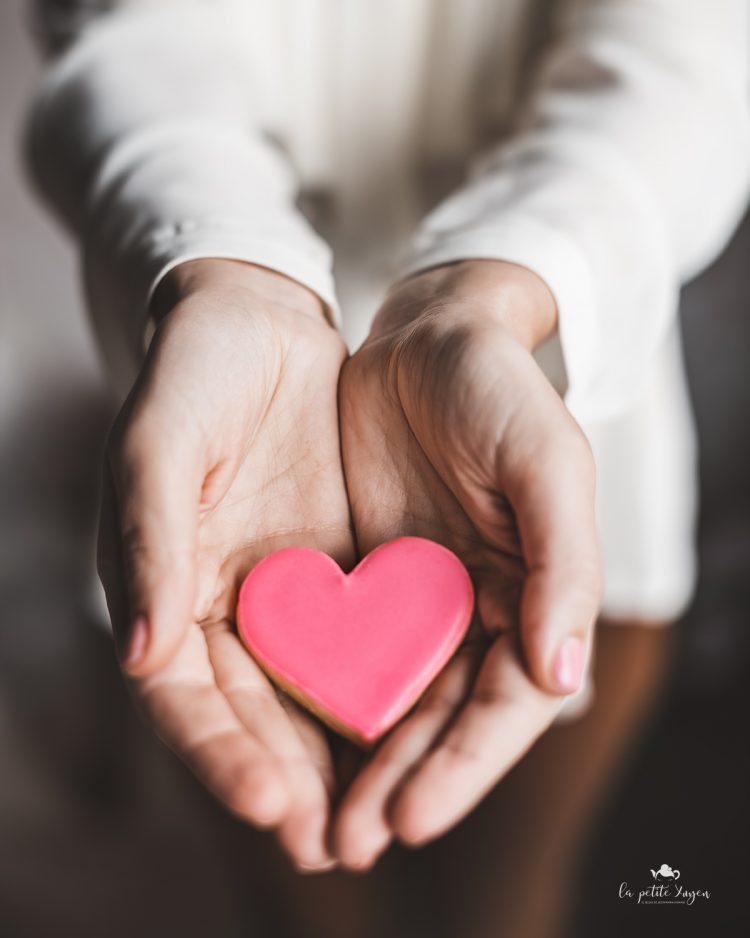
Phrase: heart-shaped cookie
pixel 357 649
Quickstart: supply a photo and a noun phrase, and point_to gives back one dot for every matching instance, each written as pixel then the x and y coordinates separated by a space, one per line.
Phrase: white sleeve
pixel 627 175
pixel 147 138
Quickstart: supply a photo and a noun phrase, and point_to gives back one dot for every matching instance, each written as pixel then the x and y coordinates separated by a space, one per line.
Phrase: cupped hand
pixel 451 431
pixel 226 449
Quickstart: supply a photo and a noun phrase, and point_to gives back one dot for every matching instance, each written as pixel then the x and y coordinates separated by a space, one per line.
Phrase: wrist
pixel 512 296
pixel 211 275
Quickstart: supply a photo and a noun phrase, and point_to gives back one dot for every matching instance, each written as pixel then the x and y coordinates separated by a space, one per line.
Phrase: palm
pixel 272 477
pixel 436 467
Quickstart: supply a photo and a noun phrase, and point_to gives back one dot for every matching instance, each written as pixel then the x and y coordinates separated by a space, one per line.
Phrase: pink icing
pixel 361 647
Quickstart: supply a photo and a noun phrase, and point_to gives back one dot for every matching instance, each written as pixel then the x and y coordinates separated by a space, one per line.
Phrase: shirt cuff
pixel 122 316
pixel 188 241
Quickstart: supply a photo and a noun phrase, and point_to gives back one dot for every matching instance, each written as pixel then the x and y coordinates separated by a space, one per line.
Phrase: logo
pixel 664 889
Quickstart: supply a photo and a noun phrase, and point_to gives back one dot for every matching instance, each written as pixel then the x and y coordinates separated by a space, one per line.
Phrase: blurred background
pixel 103 832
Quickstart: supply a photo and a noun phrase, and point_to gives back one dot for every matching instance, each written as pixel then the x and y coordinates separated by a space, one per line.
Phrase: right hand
pixel 226 449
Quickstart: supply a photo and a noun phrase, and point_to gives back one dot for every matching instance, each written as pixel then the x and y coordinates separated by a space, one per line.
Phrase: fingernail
pixel 361 864
pixel 567 670
pixel 136 643
pixel 316 867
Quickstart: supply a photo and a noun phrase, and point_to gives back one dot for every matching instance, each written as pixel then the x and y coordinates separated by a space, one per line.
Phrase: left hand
pixel 226 449
pixel 451 431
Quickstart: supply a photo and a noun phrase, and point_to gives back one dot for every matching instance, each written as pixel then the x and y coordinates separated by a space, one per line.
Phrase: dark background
pixel 103 833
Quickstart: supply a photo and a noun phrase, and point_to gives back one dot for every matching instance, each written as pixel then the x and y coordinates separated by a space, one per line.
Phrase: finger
pixel 195 720
pixel 551 487
pixel 302 832
pixel 504 715
pixel 315 741
pixel 157 482
pixel 362 830
pixel 189 713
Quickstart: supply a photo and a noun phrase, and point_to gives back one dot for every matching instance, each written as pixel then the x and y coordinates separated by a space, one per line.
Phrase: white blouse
pixel 605 144
pixel 618 158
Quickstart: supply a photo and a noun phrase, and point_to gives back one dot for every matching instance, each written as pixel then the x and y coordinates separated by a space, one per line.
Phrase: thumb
pixel 157 492
pixel 552 494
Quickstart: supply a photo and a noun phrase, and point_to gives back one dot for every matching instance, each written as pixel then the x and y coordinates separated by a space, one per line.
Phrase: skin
pixel 226 449
pixel 451 431
pixel 230 446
